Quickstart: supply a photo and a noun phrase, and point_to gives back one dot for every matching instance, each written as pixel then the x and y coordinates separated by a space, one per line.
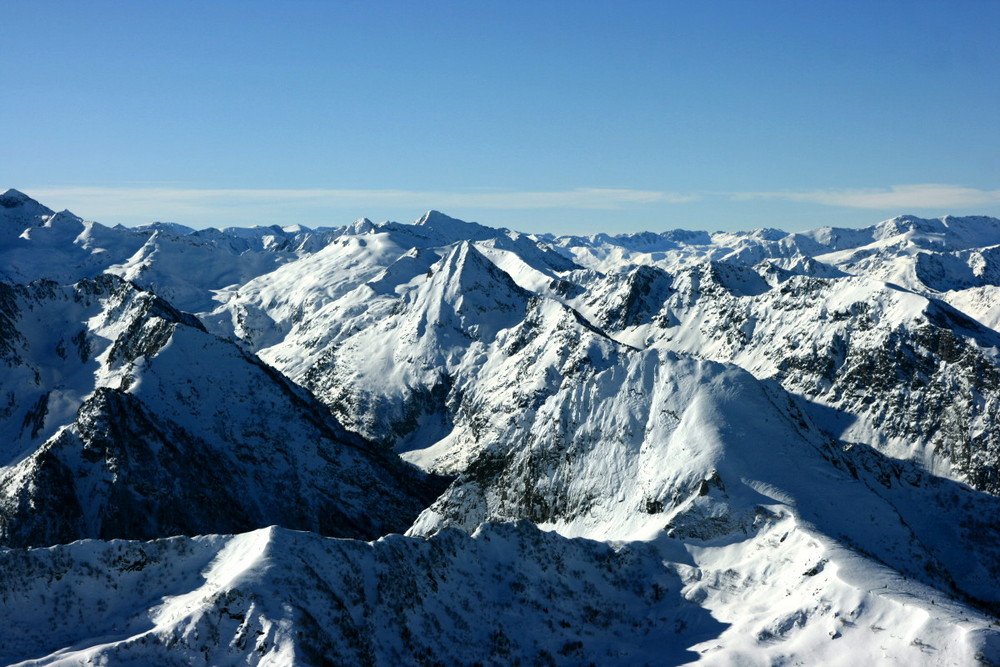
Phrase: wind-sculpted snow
pixel 126 419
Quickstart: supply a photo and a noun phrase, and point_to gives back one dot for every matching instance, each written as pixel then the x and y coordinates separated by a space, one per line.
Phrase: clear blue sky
pixel 570 117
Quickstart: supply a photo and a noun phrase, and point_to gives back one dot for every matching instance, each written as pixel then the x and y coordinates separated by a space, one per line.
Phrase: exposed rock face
pixel 147 426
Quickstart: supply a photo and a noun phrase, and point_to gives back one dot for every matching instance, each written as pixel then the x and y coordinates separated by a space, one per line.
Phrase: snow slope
pixel 509 594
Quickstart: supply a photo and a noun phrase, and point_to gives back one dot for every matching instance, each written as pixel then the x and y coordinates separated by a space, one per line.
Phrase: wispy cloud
pixel 220 207
pixel 896 197
pixel 189 198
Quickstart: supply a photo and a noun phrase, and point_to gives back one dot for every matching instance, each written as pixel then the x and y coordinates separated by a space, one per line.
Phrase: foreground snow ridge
pixel 445 443
pixel 509 593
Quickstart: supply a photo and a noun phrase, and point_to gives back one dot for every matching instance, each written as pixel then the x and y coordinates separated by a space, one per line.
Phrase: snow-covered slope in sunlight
pixel 509 594
pixel 918 377
pixel 189 272
pixel 733 480
pixel 632 443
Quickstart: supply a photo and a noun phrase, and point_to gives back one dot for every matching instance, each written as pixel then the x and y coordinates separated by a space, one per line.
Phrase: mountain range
pixel 446 443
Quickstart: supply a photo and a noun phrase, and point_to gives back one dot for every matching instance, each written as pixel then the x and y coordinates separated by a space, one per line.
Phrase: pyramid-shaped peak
pixel 63 216
pixel 467 293
pixel 464 256
pixel 15 195
pixel 450 229
pixel 433 218
pixel 464 269
pixel 17 199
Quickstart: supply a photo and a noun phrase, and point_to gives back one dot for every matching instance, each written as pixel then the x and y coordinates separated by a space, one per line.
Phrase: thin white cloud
pixel 222 207
pixel 188 199
pixel 896 197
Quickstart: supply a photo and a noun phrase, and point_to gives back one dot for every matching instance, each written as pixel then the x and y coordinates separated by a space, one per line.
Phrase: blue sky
pixel 569 117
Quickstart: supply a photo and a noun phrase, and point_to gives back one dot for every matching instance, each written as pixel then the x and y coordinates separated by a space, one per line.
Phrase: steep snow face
pixel 980 303
pixel 635 444
pixel 60 343
pixel 497 392
pixel 125 418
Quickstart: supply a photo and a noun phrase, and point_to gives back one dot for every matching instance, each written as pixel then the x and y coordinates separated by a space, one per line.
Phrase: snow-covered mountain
pixel 788 444
pixel 123 417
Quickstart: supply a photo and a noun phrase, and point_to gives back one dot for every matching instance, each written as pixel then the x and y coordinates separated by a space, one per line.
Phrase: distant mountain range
pixel 736 448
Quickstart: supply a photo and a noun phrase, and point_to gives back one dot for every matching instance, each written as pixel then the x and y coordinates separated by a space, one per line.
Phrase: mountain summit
pixel 18 211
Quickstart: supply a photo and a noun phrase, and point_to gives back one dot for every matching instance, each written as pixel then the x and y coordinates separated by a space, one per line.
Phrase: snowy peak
pixel 904 224
pixel 438 219
pixel 360 226
pixel 452 229
pixel 19 211
pixel 720 278
pixel 629 299
pixel 464 269
pixel 467 284
pixel 142 425
pixel 17 199
pixel 170 227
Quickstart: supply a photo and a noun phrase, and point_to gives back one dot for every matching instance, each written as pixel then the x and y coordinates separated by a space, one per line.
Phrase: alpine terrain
pixel 445 443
